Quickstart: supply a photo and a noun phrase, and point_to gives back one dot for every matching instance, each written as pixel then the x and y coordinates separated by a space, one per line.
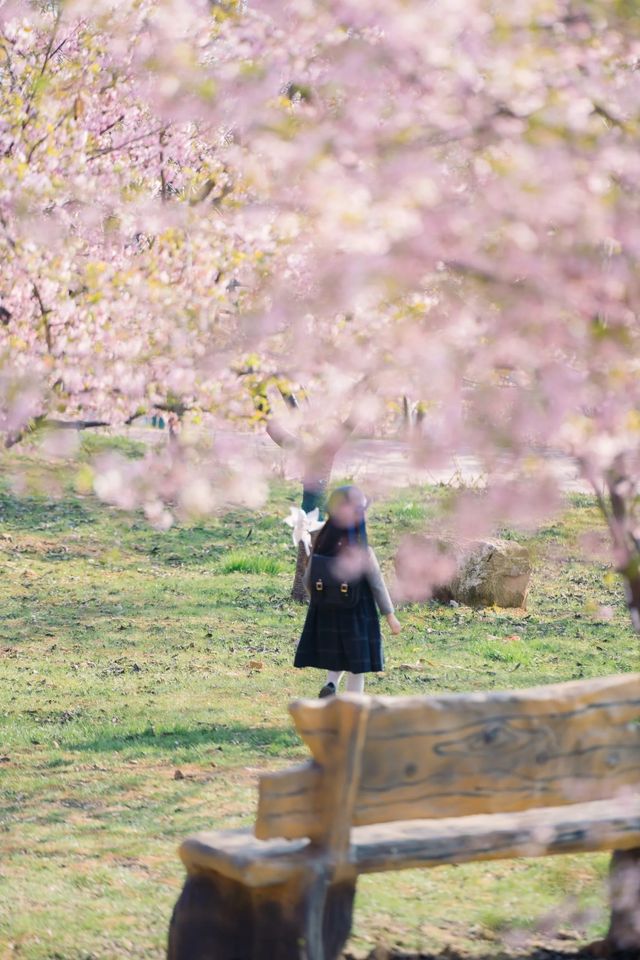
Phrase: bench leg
pixel 306 918
pixel 624 890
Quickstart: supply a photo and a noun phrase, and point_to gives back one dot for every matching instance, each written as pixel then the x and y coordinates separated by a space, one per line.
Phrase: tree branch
pixel 280 435
pixel 121 146
pixel 111 125
pixel 44 312
pixel 39 142
pixel 43 423
pixel 164 187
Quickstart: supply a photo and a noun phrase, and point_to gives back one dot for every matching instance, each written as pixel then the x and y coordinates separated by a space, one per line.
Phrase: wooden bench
pixel 398 783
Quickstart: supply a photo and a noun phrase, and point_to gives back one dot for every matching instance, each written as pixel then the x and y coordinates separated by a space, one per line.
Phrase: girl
pixel 343 579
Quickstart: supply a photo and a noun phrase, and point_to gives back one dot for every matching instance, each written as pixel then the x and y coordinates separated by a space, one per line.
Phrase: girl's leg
pixel 355 683
pixel 331 684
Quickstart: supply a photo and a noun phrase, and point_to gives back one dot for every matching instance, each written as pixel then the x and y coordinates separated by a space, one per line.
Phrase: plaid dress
pixel 343 638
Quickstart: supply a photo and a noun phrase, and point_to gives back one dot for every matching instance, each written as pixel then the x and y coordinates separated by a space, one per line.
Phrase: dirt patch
pixel 594 951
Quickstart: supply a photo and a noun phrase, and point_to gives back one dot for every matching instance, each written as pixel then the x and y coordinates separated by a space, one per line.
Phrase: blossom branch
pixel 122 146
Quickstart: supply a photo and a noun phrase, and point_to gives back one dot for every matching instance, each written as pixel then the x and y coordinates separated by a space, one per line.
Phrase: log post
pixel 306 918
pixel 623 937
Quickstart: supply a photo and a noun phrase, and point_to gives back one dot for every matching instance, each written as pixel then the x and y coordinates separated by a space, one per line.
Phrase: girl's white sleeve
pixel 378 586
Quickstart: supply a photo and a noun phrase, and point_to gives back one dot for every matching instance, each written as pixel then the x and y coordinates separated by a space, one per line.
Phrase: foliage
pixel 397 199
pixel 118 263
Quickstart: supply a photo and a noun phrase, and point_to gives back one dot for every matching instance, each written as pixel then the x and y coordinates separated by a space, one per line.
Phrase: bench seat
pixel 597 825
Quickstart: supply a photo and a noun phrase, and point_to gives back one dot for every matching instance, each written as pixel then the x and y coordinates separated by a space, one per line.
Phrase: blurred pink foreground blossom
pixel 384 206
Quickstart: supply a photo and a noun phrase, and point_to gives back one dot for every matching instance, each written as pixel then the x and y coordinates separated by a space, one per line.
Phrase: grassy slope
pixel 127 654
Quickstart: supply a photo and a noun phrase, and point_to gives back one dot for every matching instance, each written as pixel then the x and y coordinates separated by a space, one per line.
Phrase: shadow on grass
pixel 35 513
pixel 273 740
pixel 200 545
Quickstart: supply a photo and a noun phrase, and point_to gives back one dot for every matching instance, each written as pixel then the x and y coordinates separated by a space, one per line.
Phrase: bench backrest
pixel 379 759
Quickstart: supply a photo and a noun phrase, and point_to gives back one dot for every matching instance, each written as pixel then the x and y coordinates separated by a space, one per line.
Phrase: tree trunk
pixel 313 495
pixel 631 577
pixel 317 474
pixel 298 592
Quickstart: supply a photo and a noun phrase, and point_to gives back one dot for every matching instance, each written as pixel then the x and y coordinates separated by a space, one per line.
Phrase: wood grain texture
pixel 500 752
pixel 291 803
pixel 459 755
pixel 238 855
pixel 301 918
pixel 600 825
pixel 317 800
pixel 343 773
pixel 624 895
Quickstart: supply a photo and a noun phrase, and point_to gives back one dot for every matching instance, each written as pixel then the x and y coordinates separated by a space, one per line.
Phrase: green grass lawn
pixel 127 655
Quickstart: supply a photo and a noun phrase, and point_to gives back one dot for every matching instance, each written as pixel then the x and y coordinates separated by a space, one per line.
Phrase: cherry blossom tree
pixel 123 280
pixel 393 199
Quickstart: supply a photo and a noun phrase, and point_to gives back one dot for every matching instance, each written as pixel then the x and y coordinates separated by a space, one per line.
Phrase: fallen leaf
pixel 178 775
pixel 513 638
pixel 256 665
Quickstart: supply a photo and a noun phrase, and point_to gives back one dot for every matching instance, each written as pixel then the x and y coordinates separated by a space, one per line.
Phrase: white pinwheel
pixel 304 524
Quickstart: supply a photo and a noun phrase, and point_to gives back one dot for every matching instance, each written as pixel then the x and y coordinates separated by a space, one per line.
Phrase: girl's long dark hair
pixel 332 539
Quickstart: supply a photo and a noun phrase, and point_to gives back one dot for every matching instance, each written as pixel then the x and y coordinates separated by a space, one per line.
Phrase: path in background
pixel 375 460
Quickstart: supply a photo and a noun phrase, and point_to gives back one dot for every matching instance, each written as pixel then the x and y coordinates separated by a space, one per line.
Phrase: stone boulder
pixel 478 573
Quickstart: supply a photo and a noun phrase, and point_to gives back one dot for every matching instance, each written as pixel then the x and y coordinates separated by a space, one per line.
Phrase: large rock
pixel 493 572
pixel 478 573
